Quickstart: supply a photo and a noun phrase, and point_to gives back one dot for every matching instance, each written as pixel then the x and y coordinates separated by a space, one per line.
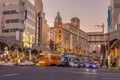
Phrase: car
pixel 64 63
pixel 92 65
pixel 8 63
pixel 75 64
pixel 1 61
pixel 26 63
pixel 82 64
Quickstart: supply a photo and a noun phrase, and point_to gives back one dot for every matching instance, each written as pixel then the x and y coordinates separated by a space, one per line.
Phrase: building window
pixel 10 3
pixel 117 5
pixel 59 31
pixel 59 37
pixel 14 21
pixel 10 12
pixel 11 30
pixel 21 3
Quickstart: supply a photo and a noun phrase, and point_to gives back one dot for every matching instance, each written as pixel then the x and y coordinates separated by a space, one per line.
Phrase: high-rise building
pixel 114 34
pixel 109 19
pixel 18 17
pixel 45 34
pixel 115 12
pixel 39 17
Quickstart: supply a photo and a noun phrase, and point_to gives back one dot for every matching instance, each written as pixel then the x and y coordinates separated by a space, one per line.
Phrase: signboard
pixel 29 49
pixel 65 54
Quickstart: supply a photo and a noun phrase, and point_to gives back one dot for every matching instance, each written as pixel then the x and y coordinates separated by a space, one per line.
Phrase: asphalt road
pixel 56 73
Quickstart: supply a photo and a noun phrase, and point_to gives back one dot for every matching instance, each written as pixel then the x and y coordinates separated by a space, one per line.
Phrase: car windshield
pixel 41 57
pixel 92 63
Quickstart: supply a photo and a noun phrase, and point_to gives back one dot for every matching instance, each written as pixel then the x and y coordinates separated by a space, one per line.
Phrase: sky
pixel 90 12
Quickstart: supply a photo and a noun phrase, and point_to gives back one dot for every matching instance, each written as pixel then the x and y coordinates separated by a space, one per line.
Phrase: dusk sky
pixel 90 12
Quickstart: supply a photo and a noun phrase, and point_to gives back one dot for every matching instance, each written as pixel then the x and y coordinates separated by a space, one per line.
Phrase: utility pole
pixel 103 45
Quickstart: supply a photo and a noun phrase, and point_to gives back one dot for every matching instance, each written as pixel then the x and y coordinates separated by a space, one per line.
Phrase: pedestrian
pixel 114 64
pixel 106 63
pixel 111 65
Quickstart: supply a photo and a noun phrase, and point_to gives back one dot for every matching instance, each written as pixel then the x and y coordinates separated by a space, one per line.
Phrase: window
pixel 59 31
pixel 59 36
pixel 10 12
pixel 12 30
pixel 21 3
pixel 117 5
pixel 14 21
pixel 10 3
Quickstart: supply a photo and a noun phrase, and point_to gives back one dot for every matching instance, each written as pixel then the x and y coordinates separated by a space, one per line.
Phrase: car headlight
pixel 94 65
pixel 41 62
pixel 87 65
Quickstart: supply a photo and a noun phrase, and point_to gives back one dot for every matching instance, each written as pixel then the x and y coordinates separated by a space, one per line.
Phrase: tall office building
pixel 115 12
pixel 109 18
pixel 18 20
pixel 39 15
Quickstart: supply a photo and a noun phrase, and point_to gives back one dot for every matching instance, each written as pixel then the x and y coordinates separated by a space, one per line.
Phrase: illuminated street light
pixel 103 47
pixel 100 26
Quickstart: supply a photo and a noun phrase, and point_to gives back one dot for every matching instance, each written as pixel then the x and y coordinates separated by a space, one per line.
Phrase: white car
pixel 8 63
pixel 75 64
pixel 26 63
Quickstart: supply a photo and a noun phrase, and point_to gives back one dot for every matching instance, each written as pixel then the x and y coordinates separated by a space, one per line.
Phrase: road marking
pixel 110 78
pixel 93 72
pixel 14 74
pixel 84 72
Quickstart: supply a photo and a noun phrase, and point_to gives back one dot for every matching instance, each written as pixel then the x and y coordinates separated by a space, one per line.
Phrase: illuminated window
pixel 59 31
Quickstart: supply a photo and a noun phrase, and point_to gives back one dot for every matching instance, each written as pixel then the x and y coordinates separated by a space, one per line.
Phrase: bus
pixel 46 58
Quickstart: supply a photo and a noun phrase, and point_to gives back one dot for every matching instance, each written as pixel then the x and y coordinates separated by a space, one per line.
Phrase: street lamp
pixel 102 26
pixel 103 47
pixel 29 49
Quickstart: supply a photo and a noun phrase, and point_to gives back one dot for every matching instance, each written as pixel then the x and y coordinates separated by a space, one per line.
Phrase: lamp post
pixel 102 55
pixel 102 26
pixel 29 49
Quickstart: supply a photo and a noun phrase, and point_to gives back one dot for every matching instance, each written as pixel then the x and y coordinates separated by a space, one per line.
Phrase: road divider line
pixel 14 74
pixel 110 78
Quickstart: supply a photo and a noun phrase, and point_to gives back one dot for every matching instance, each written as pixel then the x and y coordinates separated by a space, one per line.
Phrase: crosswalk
pixel 111 76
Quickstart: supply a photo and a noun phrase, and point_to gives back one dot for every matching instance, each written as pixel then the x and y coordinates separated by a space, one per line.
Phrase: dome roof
pixel 58 16
pixel 75 19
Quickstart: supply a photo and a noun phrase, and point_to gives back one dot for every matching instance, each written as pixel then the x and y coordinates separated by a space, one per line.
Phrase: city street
pixel 56 73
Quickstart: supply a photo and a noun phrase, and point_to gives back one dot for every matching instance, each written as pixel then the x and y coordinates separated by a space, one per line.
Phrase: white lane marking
pixel 89 72
pixel 14 74
pixel 111 75
pixel 84 72
pixel 110 78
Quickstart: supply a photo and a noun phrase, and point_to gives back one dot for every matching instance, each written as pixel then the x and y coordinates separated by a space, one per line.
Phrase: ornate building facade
pixel 69 37
pixel 113 36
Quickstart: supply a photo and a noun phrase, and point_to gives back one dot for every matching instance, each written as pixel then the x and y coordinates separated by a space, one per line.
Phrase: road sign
pixel 29 49
pixel 65 54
